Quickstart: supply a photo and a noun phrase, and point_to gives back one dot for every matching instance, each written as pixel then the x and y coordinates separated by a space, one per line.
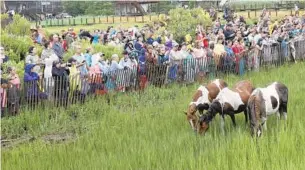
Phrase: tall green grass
pixel 149 131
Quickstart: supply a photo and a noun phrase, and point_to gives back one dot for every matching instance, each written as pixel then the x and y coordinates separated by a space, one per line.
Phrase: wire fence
pixel 75 89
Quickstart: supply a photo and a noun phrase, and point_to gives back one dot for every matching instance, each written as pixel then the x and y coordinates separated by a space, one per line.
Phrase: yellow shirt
pixel 74 79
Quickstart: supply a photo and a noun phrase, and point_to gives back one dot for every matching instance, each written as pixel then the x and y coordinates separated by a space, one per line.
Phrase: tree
pixel 100 8
pixel 88 7
pixel 184 21
pixel 75 7
pixel 163 6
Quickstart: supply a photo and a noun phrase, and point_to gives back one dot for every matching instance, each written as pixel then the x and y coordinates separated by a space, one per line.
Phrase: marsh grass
pixel 149 131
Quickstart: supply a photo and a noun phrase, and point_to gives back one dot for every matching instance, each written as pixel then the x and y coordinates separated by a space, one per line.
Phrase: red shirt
pixel 65 45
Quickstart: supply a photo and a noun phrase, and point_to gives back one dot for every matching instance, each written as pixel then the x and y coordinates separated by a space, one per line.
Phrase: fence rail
pixel 96 20
pixel 67 90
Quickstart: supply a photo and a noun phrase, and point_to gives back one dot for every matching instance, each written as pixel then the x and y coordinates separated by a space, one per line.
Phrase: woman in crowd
pixel 33 58
pixel 13 93
pixel 229 58
pixel 60 73
pixel 31 85
pixel 80 58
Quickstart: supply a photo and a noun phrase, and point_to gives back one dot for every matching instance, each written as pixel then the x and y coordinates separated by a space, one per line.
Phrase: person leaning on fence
pixel 239 49
pixel 75 83
pixel 114 68
pixel 174 59
pixel 31 86
pixel 229 59
pixel 60 73
pixel 219 53
pixel 13 93
pixel 80 58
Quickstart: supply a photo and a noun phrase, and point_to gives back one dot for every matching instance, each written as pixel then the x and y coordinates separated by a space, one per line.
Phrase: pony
pixel 264 102
pixel 228 102
pixel 202 100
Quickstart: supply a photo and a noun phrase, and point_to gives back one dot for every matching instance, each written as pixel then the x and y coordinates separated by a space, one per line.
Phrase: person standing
pixel 57 47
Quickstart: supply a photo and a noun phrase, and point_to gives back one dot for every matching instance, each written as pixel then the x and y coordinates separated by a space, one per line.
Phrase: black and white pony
pixel 264 102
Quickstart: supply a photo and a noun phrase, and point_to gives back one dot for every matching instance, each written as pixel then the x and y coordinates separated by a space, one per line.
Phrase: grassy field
pixel 149 131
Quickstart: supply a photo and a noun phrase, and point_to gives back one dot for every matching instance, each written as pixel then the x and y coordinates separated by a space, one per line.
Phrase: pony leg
pixel 264 123
pixel 222 124
pixel 246 116
pixel 233 119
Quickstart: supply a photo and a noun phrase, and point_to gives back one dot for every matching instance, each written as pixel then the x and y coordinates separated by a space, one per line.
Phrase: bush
pixel 16 47
pixel 20 26
pixel 184 21
pixel 19 68
pixel 15 37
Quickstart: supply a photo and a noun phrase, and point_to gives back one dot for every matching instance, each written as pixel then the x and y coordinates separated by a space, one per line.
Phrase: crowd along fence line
pixel 75 89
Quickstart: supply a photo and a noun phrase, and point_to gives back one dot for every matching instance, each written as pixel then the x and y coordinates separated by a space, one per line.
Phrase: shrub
pixel 16 47
pixel 15 37
pixel 20 26
pixel 184 21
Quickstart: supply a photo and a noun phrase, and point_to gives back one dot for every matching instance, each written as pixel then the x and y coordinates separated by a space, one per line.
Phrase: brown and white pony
pixel 228 102
pixel 202 100
pixel 264 102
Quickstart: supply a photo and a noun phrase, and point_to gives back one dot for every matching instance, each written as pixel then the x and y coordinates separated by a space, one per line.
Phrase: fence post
pixel 113 19
pixel 249 14
pixel 107 18
pixel 99 19
pixel 149 17
pixel 81 21
pixel 62 22
pixel 47 22
pixel 255 9
pixel 142 18
pixel 135 18
pixel 86 21
pixel 127 18
pixel 73 21
pixel 94 20
pixel 120 18
pixel 69 22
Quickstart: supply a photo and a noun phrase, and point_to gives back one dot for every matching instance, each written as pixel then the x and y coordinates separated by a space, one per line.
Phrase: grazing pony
pixel 228 102
pixel 202 100
pixel 264 102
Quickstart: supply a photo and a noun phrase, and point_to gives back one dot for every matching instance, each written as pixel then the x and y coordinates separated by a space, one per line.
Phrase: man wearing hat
pixel 37 38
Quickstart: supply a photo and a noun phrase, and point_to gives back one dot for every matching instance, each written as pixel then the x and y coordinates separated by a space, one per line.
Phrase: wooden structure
pixel 133 7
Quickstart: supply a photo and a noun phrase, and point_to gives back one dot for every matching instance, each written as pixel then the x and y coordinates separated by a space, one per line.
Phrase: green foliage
pixel 76 8
pixel 20 26
pixel 15 38
pixel 16 47
pixel 184 21
pixel 100 8
pixel 163 7
pixel 19 68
